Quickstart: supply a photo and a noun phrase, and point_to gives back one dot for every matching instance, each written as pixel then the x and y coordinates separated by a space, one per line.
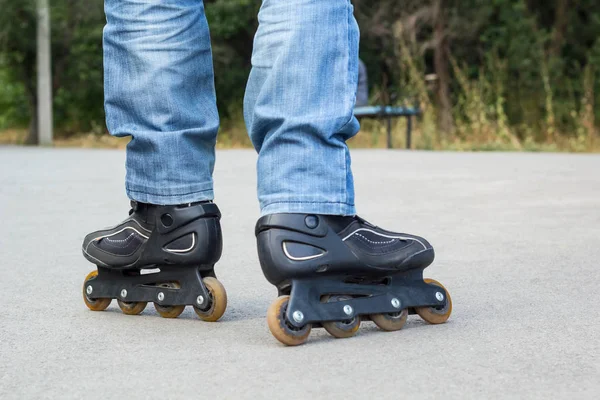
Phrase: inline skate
pixel 160 254
pixel 332 271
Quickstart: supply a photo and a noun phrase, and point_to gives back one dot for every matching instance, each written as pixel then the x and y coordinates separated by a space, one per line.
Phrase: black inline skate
pixel 162 254
pixel 332 271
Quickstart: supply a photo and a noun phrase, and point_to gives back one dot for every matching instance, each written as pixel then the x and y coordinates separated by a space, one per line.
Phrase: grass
pixel 226 140
pixel 372 135
pixel 87 140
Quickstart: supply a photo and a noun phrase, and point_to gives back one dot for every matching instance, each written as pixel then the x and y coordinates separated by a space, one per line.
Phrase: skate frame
pixel 145 286
pixel 409 288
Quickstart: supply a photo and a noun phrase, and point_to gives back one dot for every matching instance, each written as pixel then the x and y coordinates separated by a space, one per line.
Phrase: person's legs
pixel 299 105
pixel 329 270
pixel 160 91
pixel 159 88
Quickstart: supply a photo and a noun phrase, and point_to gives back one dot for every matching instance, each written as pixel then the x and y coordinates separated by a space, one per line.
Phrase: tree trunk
pixel 441 52
pixel 44 74
pixel 561 19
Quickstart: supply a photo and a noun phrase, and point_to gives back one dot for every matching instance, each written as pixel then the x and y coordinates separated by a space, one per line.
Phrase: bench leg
pixel 389 134
pixel 409 133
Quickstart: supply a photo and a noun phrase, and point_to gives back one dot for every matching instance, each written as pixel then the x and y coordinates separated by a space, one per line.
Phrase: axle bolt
pixel 298 316
pixel 200 300
pixel 348 310
pixel 396 303
pixel 89 289
pixel 161 296
pixel 123 293
pixel 439 296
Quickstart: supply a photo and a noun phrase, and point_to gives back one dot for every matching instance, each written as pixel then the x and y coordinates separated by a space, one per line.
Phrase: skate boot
pixel 331 272
pixel 160 254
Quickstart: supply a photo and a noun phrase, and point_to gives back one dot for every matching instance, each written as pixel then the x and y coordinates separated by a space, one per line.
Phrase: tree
pixel 76 62
pixel 44 90
pixel 17 41
pixel 441 53
pixel 519 64
pixel 232 25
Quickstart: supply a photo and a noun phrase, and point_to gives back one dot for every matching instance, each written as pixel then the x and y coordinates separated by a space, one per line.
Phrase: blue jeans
pixel 159 89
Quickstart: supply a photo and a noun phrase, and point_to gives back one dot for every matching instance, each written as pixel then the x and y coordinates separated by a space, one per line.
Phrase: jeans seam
pixel 344 186
pixel 168 195
pixel 348 40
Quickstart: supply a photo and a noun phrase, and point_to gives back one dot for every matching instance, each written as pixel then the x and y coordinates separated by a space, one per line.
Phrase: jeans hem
pixel 308 207
pixel 166 197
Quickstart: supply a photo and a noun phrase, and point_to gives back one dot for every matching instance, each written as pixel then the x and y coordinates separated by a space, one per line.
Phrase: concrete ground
pixel 517 238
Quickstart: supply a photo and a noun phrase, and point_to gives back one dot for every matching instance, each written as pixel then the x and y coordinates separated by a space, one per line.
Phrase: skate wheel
pixel 132 308
pixel 281 328
pixel 94 304
pixel 169 311
pixel 435 315
pixel 390 321
pixel 341 329
pixel 217 301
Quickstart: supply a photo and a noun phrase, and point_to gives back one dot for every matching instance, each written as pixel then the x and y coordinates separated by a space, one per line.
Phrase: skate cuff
pixel 307 207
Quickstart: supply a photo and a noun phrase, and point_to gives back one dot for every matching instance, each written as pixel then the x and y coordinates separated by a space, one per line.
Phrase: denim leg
pixel 159 89
pixel 299 105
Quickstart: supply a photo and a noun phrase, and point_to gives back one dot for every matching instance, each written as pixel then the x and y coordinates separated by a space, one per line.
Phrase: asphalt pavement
pixel 517 239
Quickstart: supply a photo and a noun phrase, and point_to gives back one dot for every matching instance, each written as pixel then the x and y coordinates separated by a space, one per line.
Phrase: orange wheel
pixel 390 322
pixel 341 329
pixel 93 304
pixel 217 302
pixel 169 311
pixel 436 315
pixel 132 308
pixel 281 328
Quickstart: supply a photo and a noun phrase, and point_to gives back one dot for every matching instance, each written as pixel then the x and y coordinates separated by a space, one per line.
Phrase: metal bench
pixel 388 113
